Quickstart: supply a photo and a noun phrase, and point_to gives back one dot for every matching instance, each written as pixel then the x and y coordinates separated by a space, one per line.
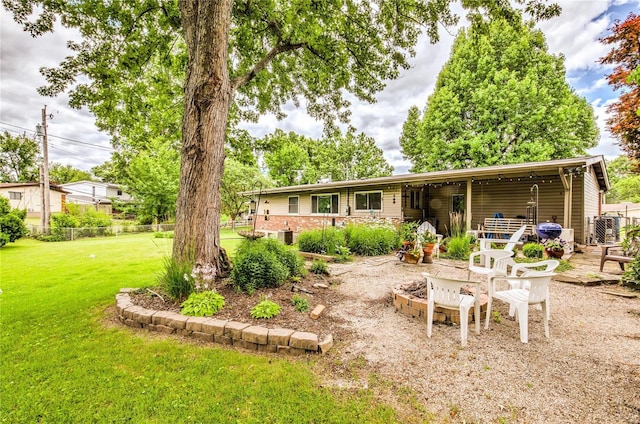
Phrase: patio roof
pixel 460 174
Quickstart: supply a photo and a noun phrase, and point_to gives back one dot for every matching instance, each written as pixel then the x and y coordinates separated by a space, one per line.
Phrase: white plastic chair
pixel 531 269
pixel 445 292
pixel 520 299
pixel 427 226
pixel 491 262
pixel 485 243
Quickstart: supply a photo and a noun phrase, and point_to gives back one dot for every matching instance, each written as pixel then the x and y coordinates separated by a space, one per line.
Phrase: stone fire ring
pixel 416 307
pixel 232 333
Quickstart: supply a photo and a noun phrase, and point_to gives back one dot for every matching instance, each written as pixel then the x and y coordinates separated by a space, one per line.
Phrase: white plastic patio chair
pixel 491 262
pixel 427 226
pixel 485 243
pixel 521 299
pixel 445 292
pixel 527 270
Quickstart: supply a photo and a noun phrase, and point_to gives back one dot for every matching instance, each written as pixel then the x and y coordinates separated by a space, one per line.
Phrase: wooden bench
pixel 503 227
pixel 606 256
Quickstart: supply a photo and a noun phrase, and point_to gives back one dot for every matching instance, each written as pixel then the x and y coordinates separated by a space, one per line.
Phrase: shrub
pixel 265 309
pixel 203 304
pixel 264 263
pixel 366 240
pixel 63 220
pixel 163 234
pixel 92 219
pixel 319 267
pixel 343 254
pixel 533 250
pixel 631 276
pixel 323 241
pixel 459 247
pixel 13 226
pixel 177 280
pixel 4 239
pixel 300 304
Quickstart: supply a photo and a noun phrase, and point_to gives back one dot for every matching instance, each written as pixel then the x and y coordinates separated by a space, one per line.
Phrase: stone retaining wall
pixel 417 308
pixel 246 336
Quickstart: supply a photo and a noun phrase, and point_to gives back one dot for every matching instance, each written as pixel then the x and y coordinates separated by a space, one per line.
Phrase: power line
pixel 97 146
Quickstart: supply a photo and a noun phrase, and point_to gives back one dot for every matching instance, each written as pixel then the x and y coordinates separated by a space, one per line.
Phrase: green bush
pixel 459 247
pixel 163 234
pixel 94 219
pixel 631 276
pixel 13 226
pixel 371 240
pixel 63 220
pixel 533 250
pixel 318 266
pixel 300 304
pixel 177 280
pixel 203 304
pixel 265 309
pixel 343 254
pixel 264 263
pixel 4 239
pixel 323 241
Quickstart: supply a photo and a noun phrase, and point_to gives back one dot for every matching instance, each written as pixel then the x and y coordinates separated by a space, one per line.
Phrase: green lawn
pixel 60 362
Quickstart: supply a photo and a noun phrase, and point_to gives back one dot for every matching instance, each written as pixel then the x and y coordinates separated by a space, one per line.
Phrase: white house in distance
pixel 95 194
pixel 29 196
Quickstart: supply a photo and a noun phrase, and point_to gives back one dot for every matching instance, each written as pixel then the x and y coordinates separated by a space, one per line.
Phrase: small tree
pixel 12 225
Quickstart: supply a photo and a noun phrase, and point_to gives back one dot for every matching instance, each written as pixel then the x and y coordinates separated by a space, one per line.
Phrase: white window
pixel 369 201
pixel 325 203
pixel 15 195
pixel 294 201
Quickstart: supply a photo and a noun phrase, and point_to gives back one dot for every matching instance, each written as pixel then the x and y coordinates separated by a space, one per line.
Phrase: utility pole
pixel 45 212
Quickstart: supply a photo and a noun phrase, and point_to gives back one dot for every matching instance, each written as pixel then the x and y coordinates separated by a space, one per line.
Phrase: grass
pixel 60 362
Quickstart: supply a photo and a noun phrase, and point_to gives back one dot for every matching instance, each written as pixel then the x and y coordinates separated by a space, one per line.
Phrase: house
pixel 566 191
pixel 624 209
pixel 95 194
pixel 29 196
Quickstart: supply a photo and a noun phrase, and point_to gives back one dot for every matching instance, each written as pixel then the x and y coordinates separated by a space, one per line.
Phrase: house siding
pixel 32 199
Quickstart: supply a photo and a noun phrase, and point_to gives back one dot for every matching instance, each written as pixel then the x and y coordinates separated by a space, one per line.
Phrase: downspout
pixel 468 214
pixel 567 183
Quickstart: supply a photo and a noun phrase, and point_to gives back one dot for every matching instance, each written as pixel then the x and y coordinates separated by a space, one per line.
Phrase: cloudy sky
pixel 75 140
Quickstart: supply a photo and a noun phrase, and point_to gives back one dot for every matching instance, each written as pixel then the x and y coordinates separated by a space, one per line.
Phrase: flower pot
pixel 427 250
pixel 557 254
pixel 410 258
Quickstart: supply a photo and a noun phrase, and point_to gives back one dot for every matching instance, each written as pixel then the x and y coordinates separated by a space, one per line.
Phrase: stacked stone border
pixel 416 307
pixel 232 333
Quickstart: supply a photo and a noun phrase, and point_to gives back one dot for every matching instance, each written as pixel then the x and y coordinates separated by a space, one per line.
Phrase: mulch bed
pixel 238 305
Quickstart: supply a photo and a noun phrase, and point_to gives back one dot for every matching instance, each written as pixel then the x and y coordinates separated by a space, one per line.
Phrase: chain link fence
pixel 606 229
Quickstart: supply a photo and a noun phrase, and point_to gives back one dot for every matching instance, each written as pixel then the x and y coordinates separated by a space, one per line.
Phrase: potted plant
pixel 428 240
pixel 408 234
pixel 554 248
pixel 412 256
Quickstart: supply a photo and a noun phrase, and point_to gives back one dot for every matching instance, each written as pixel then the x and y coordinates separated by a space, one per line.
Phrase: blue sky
pixel 574 34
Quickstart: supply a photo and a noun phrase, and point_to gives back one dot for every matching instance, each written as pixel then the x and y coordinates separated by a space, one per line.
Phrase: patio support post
pixel 567 183
pixel 467 215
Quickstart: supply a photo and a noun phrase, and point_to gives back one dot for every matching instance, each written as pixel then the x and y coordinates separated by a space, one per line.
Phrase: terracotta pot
pixel 411 259
pixel 428 252
pixel 557 254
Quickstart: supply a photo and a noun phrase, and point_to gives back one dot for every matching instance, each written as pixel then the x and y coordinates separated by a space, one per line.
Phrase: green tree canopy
pixel 501 98
pixel 18 158
pixel 244 58
pixel 625 183
pixel 239 177
pixel 63 174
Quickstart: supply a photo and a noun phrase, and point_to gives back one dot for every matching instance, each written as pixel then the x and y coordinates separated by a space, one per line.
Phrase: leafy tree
pixel 243 58
pixel 625 184
pixel 11 223
pixel 624 121
pixel 63 174
pixel 409 143
pixel 500 99
pixel 152 179
pixel 18 158
pixel 239 177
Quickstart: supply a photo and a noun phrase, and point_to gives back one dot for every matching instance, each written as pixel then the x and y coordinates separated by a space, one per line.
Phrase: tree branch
pixel 262 64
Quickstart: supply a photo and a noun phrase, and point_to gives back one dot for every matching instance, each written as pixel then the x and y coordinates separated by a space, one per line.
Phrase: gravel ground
pixel 588 371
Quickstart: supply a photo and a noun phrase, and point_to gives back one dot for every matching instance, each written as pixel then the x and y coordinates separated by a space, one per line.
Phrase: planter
pixel 557 254
pixel 427 250
pixel 411 258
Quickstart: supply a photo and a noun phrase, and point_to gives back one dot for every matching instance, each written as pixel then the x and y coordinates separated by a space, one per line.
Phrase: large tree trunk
pixel 208 93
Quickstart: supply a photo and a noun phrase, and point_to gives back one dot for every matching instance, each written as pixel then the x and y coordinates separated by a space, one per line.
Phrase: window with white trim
pixel 369 200
pixel 15 195
pixel 325 203
pixel 294 202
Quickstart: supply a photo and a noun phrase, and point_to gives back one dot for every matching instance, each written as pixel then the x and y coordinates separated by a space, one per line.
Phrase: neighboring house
pixel 625 209
pixel 566 191
pixel 95 194
pixel 29 196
